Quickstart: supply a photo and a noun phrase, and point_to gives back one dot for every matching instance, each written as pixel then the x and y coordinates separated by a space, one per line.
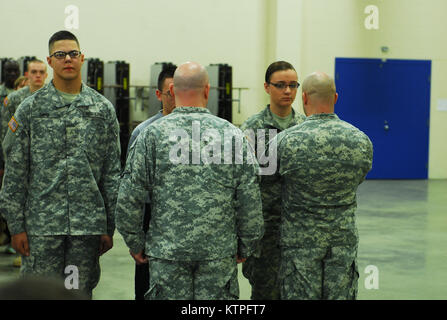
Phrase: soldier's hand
pixel 139 258
pixel 106 243
pixel 19 242
pixel 240 260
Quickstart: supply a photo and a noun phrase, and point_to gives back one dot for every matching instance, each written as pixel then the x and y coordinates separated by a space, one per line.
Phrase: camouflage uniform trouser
pixel 262 271
pixel 193 280
pixel 319 273
pixel 50 255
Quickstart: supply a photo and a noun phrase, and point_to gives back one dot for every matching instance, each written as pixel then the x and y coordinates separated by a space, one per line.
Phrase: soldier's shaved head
pixel 191 85
pixel 190 76
pixel 319 85
pixel 319 93
pixel 61 35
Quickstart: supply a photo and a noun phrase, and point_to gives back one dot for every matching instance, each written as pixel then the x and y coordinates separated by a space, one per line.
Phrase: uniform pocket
pixel 94 137
pixel 47 141
pixel 342 274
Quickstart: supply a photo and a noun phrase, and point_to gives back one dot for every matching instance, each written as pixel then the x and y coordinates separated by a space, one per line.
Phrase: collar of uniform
pixel 3 91
pixel 190 110
pixel 269 120
pixel 322 116
pixel 24 90
pixel 83 99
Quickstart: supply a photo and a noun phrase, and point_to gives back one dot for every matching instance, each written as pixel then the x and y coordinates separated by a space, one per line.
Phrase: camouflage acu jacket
pixel 205 201
pixel 321 162
pixel 62 165
pixel 4 91
pixel 270 187
pixel 10 104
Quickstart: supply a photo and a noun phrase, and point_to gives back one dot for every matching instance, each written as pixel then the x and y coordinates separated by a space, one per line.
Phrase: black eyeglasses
pixel 167 93
pixel 62 54
pixel 282 85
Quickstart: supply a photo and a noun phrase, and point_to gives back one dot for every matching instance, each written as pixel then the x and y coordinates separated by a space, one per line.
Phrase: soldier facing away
pixel 205 213
pixel 281 84
pixel 321 163
pixel 165 78
pixel 62 172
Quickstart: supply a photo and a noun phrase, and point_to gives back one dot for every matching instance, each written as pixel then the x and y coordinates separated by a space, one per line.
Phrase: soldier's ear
pixel 158 94
pixel 207 91
pixel 335 98
pixel 267 87
pixel 304 98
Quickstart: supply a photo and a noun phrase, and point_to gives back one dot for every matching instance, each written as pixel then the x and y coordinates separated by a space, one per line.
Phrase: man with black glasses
pixel 281 83
pixel 61 173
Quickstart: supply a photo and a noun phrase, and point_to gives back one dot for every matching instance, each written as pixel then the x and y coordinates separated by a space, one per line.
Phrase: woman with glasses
pixel 281 84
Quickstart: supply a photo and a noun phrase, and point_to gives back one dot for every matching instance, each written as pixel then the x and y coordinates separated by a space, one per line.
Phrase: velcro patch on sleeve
pixel 5 102
pixel 13 125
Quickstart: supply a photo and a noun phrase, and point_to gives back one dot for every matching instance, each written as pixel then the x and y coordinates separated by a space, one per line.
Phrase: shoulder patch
pixel 5 102
pixel 13 125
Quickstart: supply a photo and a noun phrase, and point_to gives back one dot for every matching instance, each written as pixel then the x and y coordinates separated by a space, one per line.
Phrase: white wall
pixel 311 33
pixel 143 32
pixel 248 35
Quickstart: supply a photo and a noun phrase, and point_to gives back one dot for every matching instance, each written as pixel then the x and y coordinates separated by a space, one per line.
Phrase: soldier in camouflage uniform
pixel 321 162
pixel 62 173
pixel 206 212
pixel 37 73
pixel 11 73
pixel 165 78
pixel 281 83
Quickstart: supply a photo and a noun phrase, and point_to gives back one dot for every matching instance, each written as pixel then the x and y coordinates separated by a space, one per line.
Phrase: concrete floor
pixel 403 235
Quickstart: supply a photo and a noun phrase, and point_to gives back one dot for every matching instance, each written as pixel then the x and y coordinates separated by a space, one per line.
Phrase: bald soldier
pixel 281 84
pixel 36 73
pixel 205 202
pixel 321 162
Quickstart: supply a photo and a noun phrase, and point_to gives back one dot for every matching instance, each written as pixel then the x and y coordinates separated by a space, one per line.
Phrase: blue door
pixel 389 101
